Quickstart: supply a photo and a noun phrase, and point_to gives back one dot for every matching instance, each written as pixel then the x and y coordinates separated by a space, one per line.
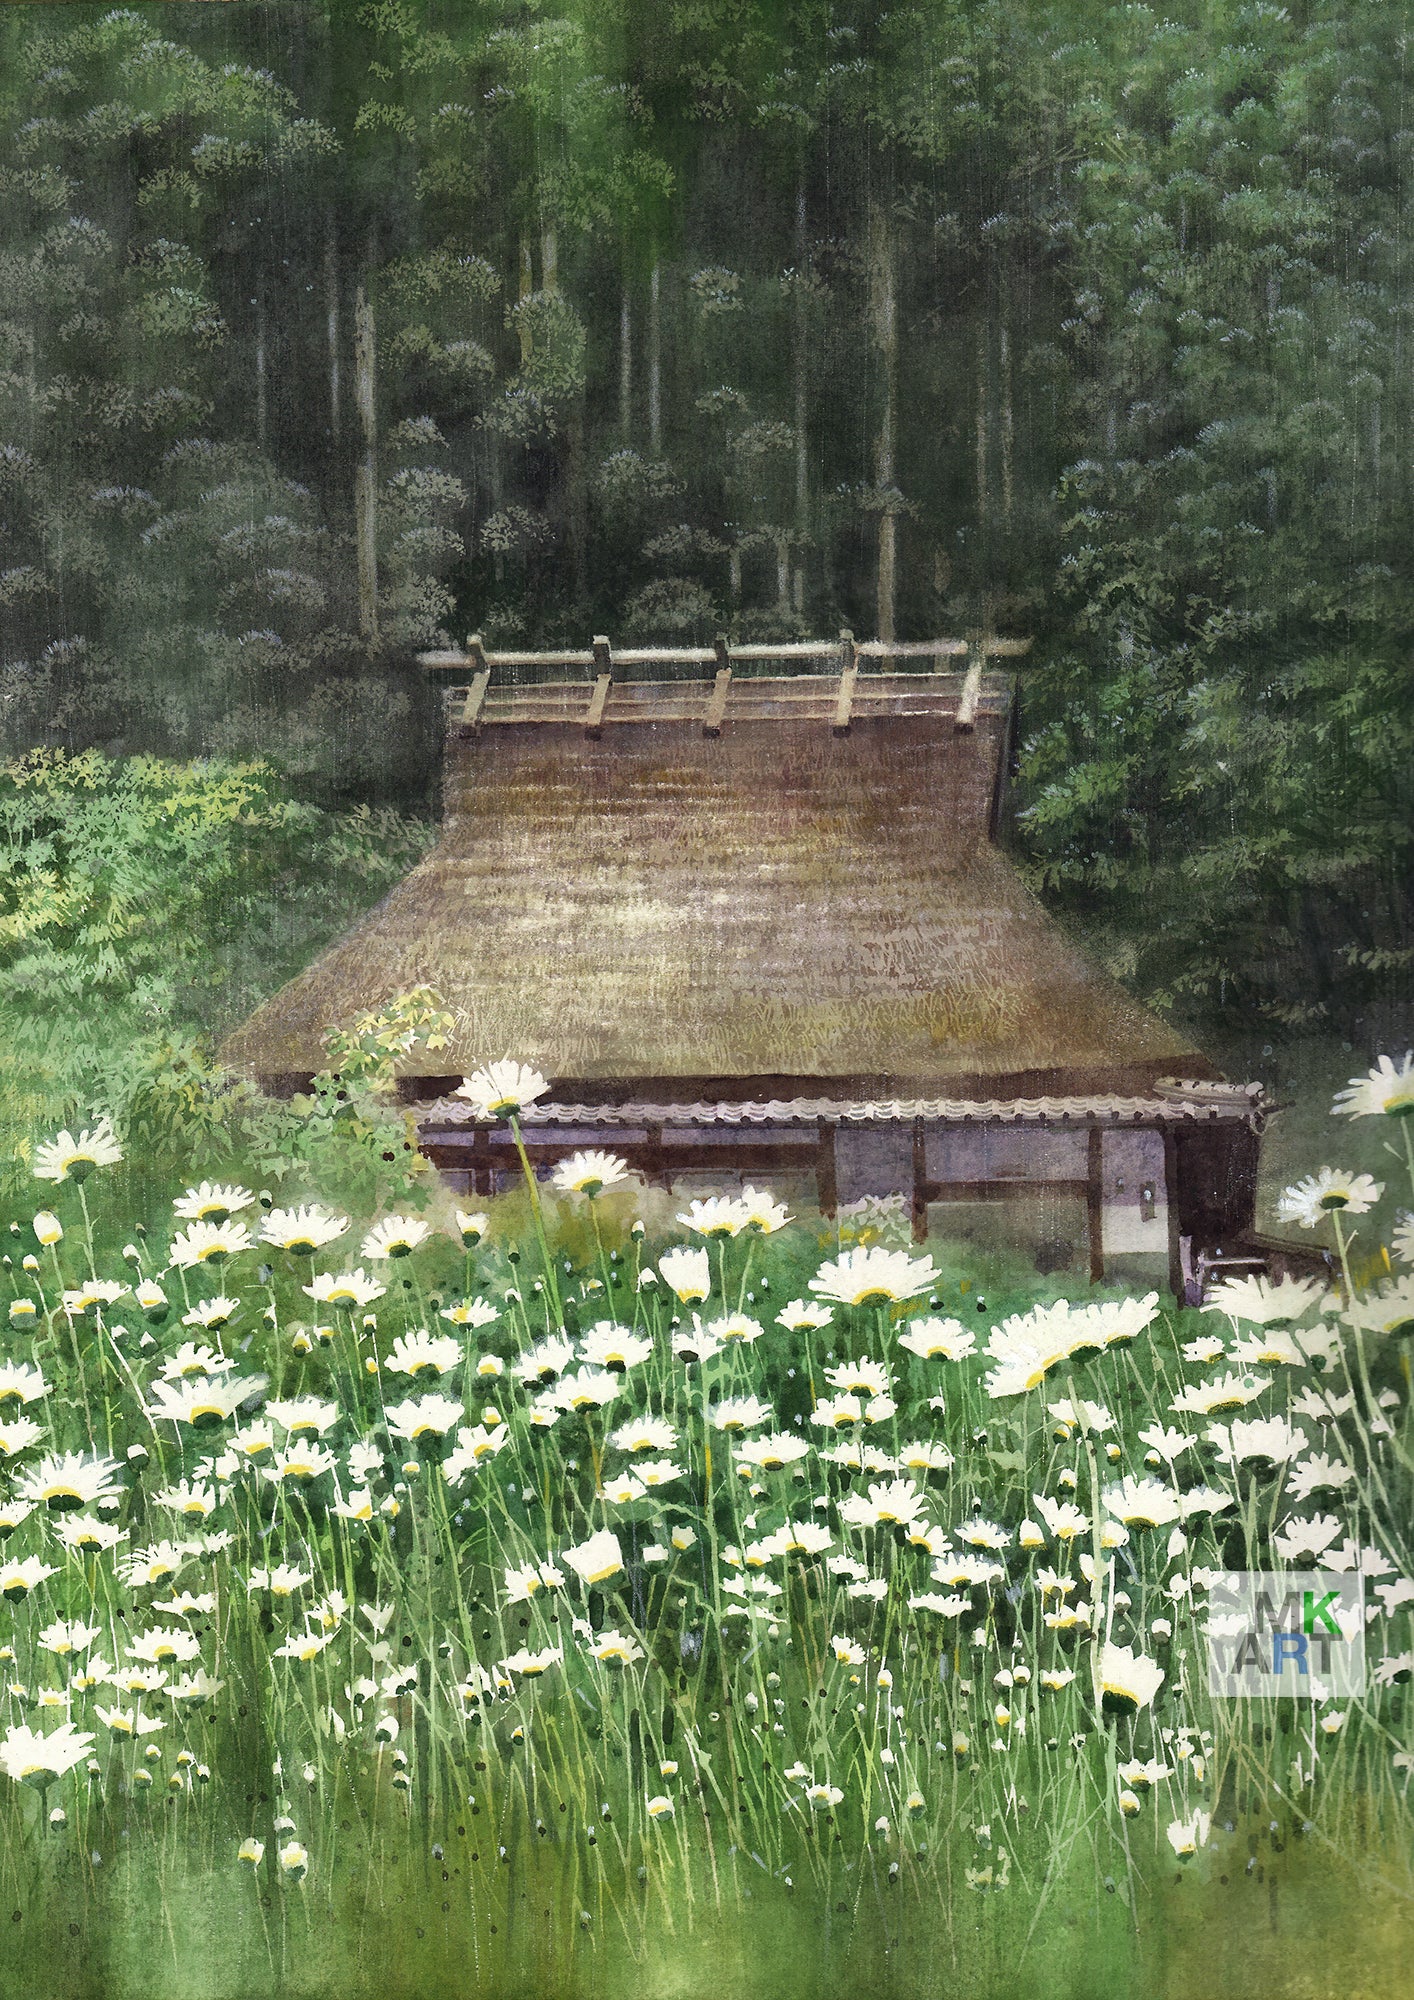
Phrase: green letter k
pixel 1313 1608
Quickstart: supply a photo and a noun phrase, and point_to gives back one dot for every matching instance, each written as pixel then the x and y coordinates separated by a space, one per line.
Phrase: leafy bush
pixel 145 906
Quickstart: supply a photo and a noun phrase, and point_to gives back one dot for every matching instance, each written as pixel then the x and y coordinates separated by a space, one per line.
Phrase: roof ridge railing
pixel 846 661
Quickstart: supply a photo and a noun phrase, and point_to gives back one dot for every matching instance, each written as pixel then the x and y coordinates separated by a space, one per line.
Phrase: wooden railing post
pixel 470 724
pixel 594 720
pixel 721 687
pixel 849 671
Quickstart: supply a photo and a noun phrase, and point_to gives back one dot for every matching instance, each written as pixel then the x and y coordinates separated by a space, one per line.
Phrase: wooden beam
pixel 1095 1201
pixel 717 704
pixel 965 720
pixel 1016 1189
pixel 600 657
pixel 523 659
pixel 794 649
pixel 470 724
pixel 594 720
pixel 905 649
pixel 667 656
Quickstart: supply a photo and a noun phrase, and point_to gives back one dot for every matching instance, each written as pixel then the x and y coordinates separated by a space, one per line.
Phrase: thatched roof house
pixel 744 922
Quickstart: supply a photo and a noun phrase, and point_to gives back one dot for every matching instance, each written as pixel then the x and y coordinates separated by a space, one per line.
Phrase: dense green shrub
pixel 145 906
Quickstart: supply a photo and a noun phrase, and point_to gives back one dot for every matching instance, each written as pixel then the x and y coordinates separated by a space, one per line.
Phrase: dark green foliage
pixel 146 905
pixel 676 315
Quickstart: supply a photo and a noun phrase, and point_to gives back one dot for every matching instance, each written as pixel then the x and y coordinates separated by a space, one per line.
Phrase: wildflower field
pixel 446 1601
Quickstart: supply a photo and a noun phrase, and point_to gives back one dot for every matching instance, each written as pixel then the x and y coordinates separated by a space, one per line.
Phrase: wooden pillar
pixel 1095 1201
pixel 483 1176
pixel 1177 1277
pixel 920 1182
pixel 826 1196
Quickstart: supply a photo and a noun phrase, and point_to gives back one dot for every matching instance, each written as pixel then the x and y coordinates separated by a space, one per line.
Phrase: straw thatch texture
pixel 775 903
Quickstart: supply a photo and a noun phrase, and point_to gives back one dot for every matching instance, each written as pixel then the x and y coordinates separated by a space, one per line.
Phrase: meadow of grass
pixel 892 1680
pixel 597 1593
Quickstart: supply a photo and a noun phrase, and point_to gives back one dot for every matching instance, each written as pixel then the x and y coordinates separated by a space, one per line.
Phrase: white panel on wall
pixel 1135 1217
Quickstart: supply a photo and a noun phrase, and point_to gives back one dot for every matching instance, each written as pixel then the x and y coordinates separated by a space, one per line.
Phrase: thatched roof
pixel 754 913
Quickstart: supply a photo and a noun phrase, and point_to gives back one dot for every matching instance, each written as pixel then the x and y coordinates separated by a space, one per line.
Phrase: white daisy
pixel 1386 1090
pixel 395 1236
pixel 1128 1680
pixel 211 1202
pixel 73 1159
pixel 804 1316
pixel 66 1481
pixel 301 1231
pixel 686 1273
pixel 938 1339
pixel 422 1352
pixel 1262 1301
pixel 762 1211
pixel 349 1290
pixel 874 1276
pixel 502 1089
pixel 589 1173
pixel 203 1243
pixel 1328 1192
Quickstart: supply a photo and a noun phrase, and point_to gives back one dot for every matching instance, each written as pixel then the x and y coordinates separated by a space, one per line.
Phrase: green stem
pixel 538 1217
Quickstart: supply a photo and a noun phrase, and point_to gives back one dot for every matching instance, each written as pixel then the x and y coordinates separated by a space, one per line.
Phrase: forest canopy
pixel 332 331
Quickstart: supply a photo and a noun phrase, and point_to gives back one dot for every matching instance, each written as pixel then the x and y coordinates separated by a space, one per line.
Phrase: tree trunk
pixel 525 285
pixel 625 365
pixel 983 430
pixel 884 312
pixel 655 361
pixel 331 296
pixel 262 408
pixel 1008 474
pixel 576 523
pixel 799 362
pixel 802 452
pixel 549 260
pixel 366 471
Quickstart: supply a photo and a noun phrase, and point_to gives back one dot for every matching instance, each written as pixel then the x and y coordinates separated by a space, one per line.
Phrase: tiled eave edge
pixel 1200 1103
